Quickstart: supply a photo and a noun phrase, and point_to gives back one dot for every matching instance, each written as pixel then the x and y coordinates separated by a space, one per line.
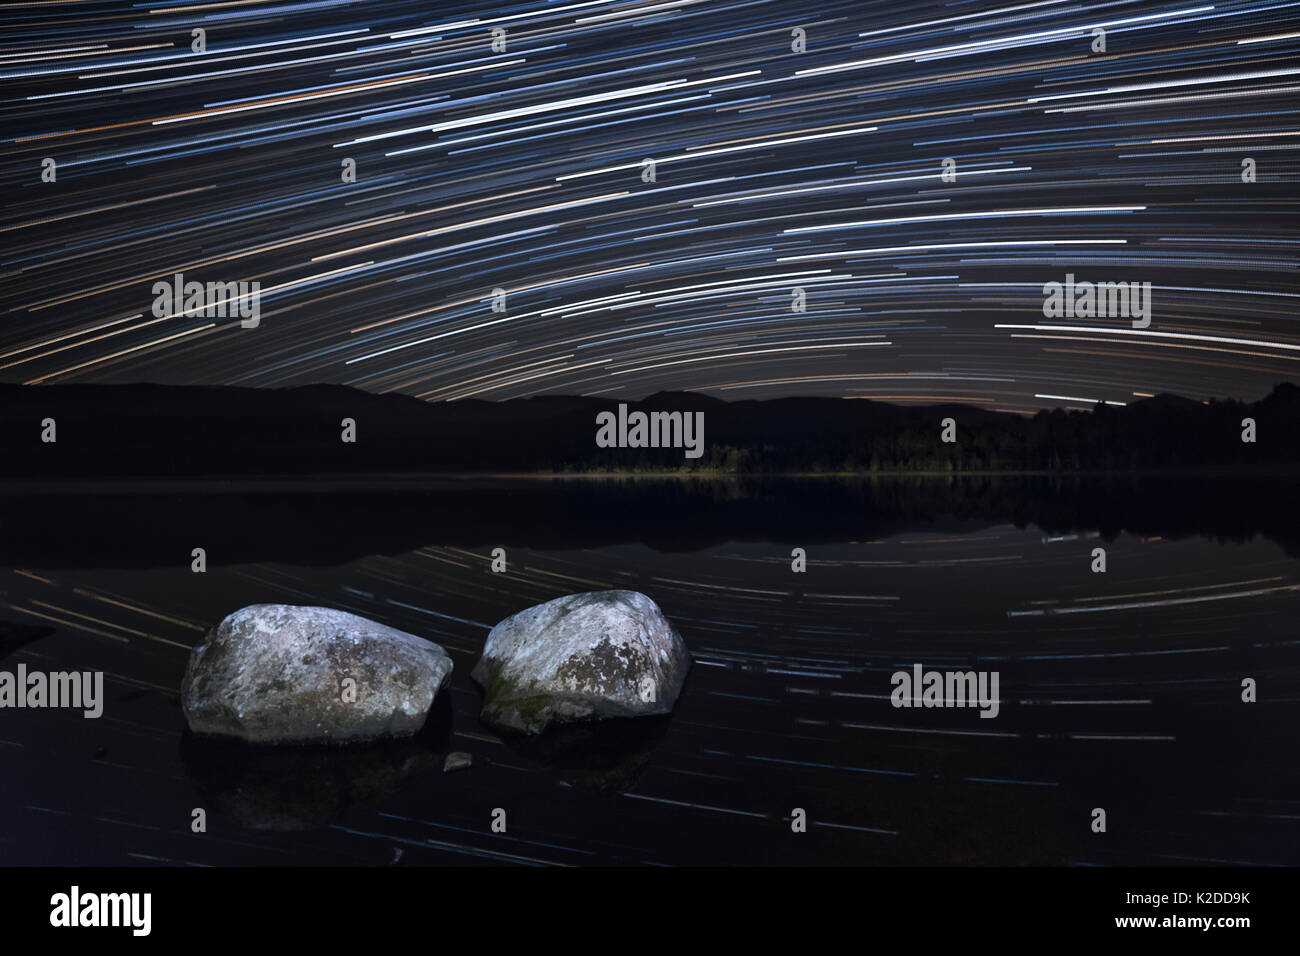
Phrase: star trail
pixel 793 148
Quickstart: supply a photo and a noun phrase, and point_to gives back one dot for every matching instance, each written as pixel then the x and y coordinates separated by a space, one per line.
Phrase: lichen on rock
pixel 278 673
pixel 581 657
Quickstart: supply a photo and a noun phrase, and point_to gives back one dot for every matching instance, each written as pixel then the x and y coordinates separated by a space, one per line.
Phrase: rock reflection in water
pixel 604 756
pixel 295 788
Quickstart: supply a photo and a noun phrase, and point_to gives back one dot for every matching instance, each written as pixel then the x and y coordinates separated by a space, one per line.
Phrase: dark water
pixel 1119 690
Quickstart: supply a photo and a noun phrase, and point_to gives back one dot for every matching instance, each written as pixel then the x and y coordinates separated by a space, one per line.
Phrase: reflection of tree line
pixel 679 514
pixel 700 512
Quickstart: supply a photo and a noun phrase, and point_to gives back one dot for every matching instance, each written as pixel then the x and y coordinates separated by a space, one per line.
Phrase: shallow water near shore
pixel 1119 691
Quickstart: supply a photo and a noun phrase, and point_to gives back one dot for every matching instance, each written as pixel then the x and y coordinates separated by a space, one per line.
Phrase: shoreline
pixel 451 481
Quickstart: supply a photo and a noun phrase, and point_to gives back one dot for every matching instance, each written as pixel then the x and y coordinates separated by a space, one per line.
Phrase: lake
pixel 1119 690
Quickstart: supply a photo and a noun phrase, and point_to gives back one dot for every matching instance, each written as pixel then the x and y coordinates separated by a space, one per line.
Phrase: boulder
pixel 581 657
pixel 277 673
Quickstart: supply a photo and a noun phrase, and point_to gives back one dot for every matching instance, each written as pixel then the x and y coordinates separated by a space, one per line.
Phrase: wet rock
pixel 277 673
pixel 581 657
pixel 457 760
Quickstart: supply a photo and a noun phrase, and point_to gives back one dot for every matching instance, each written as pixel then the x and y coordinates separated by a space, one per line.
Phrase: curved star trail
pixel 523 169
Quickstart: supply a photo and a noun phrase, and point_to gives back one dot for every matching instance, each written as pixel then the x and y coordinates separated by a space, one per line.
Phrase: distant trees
pixel 1160 433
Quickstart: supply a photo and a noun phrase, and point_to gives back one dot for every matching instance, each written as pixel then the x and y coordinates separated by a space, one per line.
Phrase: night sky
pixel 523 170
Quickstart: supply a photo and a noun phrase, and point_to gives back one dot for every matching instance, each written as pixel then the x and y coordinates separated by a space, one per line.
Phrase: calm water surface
pixel 1119 690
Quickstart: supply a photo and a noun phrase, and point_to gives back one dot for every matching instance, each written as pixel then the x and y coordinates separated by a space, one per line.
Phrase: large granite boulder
pixel 276 673
pixel 581 657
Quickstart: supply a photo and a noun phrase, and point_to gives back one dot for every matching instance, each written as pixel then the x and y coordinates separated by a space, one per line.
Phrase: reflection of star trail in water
pixel 1134 707
pixel 522 169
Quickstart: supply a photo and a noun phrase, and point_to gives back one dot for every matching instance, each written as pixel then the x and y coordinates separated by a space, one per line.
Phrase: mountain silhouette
pixel 163 431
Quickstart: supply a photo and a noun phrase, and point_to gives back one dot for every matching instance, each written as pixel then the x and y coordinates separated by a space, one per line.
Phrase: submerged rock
pixel 457 760
pixel 585 656
pixel 276 673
